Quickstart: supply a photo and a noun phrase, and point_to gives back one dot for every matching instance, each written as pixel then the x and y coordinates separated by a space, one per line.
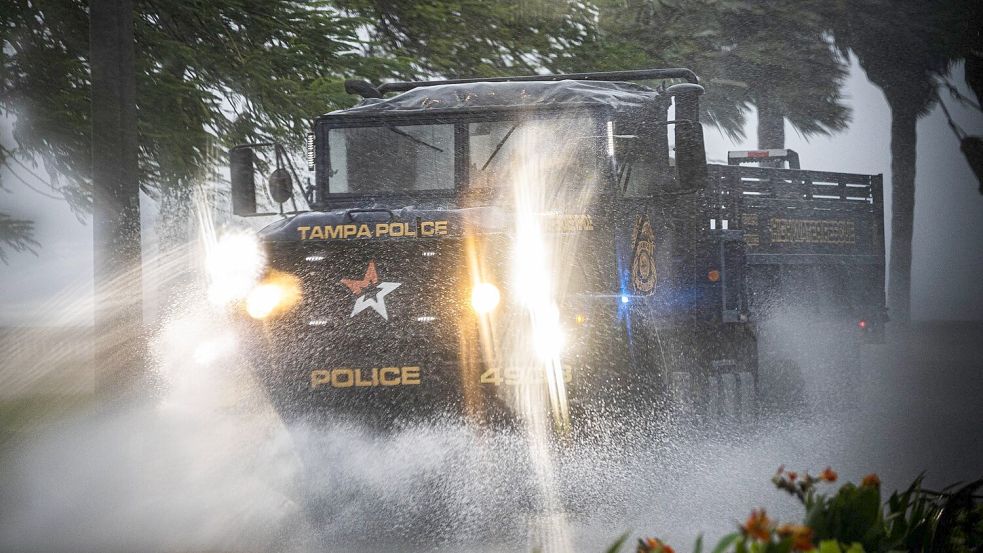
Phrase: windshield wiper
pixel 401 132
pixel 500 144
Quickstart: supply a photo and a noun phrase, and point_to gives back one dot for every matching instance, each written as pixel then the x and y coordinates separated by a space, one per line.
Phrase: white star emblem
pixel 376 298
pixel 378 302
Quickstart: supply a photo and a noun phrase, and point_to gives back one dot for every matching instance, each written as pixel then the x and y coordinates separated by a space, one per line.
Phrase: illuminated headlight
pixel 549 343
pixel 276 294
pixel 548 335
pixel 234 263
pixel 485 297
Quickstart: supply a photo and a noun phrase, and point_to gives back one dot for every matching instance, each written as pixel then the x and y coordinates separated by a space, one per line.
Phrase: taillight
pixel 872 329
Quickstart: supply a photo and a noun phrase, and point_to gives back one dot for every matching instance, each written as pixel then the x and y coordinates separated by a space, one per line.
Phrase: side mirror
pixel 691 155
pixel 280 185
pixel 242 173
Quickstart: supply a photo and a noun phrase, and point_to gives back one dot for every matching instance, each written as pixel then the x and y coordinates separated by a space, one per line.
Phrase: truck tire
pixel 783 388
pixel 722 384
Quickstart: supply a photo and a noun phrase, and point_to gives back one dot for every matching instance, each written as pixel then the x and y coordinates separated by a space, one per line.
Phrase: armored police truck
pixel 484 248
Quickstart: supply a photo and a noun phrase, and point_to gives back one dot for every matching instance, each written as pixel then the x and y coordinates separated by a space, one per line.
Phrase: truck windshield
pixel 567 149
pixel 389 158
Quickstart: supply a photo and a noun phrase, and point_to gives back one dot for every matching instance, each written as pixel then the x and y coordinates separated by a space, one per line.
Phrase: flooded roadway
pixel 217 472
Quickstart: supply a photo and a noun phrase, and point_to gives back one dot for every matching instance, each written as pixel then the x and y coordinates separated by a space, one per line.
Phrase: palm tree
pixel 689 33
pixel 772 56
pixel 15 234
pixel 904 46
pixel 473 38
pixel 780 50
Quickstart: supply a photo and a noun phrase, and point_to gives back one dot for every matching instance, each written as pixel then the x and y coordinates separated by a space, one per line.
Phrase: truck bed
pixel 815 239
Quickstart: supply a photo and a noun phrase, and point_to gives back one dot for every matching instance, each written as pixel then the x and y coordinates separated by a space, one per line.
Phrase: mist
pixel 200 454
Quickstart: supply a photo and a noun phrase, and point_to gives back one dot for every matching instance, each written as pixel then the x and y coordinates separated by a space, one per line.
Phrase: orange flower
pixel 800 534
pixel 758 525
pixel 653 545
pixel 871 480
pixel 828 475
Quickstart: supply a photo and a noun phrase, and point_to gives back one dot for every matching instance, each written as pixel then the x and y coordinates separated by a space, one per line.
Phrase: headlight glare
pixel 278 293
pixel 485 297
pixel 234 263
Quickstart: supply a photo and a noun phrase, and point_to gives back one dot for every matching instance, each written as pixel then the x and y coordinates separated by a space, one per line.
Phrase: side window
pixel 638 178
pixel 642 153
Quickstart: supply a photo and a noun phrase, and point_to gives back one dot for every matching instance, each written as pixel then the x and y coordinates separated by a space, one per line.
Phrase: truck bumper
pixel 393 384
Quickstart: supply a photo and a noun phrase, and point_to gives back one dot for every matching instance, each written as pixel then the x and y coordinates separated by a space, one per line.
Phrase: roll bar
pixel 360 88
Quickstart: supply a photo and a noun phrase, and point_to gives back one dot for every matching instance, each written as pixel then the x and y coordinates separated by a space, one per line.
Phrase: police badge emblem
pixel 643 275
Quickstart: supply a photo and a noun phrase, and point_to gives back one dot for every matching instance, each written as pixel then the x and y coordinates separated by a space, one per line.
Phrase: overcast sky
pixel 946 281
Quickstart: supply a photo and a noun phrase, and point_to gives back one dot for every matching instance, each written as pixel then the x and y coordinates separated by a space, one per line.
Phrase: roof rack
pixel 634 75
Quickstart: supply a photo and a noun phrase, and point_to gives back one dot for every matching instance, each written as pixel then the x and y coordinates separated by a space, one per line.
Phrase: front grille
pixel 418 289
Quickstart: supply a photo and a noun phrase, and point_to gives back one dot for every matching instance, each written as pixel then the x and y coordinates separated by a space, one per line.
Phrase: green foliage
pixel 746 53
pixel 44 84
pixel 616 546
pixel 672 33
pixel 854 520
pixel 221 72
pixel 834 546
pixel 853 515
pixel 904 44
pixel 923 520
pixel 475 38
pixel 780 50
pixel 16 235
pixel 211 74
pixel 208 73
pixel 726 542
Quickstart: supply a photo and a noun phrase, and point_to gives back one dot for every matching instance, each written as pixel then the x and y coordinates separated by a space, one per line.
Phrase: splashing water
pixel 199 460
pixel 193 459
pixel 546 181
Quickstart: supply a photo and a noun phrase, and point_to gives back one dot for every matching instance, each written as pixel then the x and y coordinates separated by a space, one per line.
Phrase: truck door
pixel 653 233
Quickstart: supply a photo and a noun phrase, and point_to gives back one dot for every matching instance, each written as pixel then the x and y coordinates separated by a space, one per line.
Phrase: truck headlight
pixel 485 297
pixel 276 294
pixel 234 263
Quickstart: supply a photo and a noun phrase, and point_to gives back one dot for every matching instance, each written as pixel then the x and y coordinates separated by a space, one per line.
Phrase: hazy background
pixel 207 465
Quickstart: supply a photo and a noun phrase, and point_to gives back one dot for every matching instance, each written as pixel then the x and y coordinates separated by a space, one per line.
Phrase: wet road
pixel 913 405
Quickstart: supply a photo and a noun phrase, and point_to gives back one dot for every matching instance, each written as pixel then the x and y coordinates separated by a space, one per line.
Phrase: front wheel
pixel 717 378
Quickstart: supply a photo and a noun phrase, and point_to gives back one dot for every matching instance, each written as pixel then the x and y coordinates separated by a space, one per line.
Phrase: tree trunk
pixel 116 198
pixel 771 126
pixel 904 118
pixel 771 129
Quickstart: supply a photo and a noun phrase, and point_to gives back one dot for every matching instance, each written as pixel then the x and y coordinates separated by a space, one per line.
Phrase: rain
pixel 505 276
